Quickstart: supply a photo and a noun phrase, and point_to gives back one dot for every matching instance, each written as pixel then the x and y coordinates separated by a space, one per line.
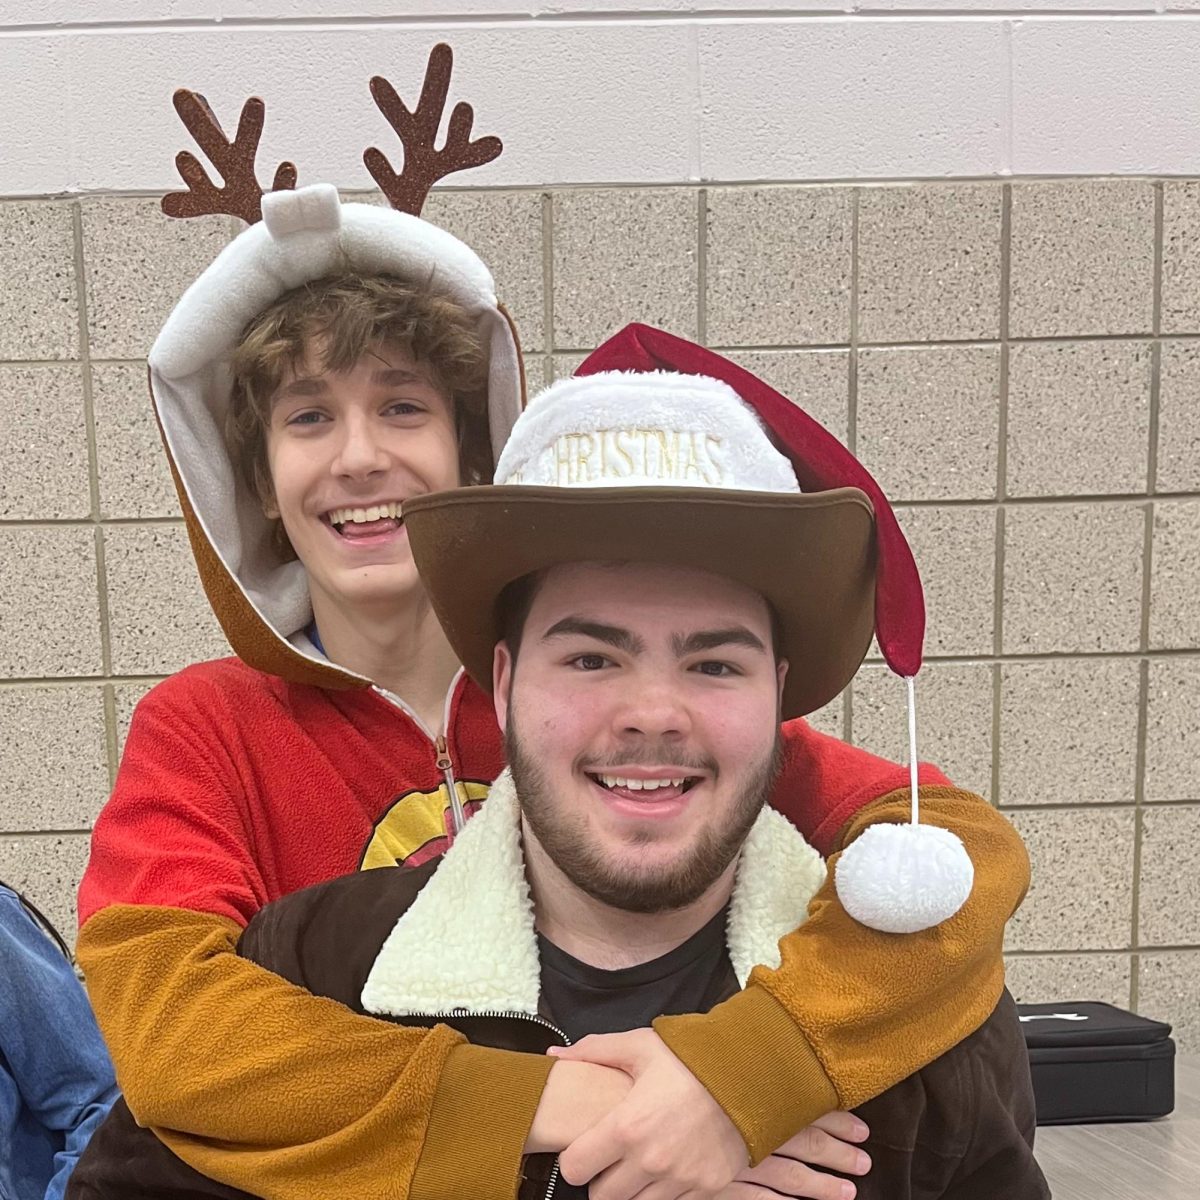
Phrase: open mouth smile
pixel 372 520
pixel 642 791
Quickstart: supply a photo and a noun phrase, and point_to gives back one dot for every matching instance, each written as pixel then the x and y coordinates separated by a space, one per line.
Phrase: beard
pixel 625 885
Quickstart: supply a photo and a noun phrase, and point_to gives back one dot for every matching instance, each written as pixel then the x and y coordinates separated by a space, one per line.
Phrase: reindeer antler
pixel 423 164
pixel 241 196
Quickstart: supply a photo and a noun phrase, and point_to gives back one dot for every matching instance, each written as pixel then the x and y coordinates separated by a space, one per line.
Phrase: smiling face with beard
pixel 621 881
pixel 641 719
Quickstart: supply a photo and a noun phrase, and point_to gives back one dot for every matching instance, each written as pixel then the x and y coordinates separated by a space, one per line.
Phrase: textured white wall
pixel 622 91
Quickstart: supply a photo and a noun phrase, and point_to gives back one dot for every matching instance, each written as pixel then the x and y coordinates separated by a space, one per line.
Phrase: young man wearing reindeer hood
pixel 344 736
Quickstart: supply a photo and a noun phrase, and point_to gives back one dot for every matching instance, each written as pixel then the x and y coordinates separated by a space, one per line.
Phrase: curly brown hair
pixel 347 315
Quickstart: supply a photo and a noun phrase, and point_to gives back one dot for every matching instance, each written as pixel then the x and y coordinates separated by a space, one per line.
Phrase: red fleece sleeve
pixel 824 781
pixel 175 831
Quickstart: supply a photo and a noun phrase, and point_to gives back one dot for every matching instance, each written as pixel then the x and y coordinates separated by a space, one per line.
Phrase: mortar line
pixel 811 347
pixel 84 360
pixel 1059 656
pixel 1154 420
pixel 1139 814
pixel 852 374
pixel 852 408
pixel 89 417
pixel 1181 948
pixel 702 266
pixel 1112 500
pixel 110 733
pixel 1143 712
pixel 975 343
pixel 1080 805
pixel 360 192
pixel 84 522
pixel 22 834
pixel 520 15
pixel 66 681
pixel 73 681
pixel 548 336
pixel 998 561
pixel 1156 345
pixel 1159 240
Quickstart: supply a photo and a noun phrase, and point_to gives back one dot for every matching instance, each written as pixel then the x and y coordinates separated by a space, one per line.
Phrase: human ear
pixel 781 670
pixel 502 672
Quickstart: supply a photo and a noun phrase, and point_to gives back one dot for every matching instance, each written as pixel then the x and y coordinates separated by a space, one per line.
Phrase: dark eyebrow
pixel 396 376
pixel 315 385
pixel 713 639
pixel 610 635
pixel 312 386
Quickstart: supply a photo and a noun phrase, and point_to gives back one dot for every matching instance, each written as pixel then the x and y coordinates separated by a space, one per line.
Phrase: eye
pixel 589 662
pixel 716 670
pixel 309 417
pixel 403 408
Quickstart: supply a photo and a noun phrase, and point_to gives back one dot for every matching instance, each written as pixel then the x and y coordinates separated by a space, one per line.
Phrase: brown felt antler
pixel 423 164
pixel 241 196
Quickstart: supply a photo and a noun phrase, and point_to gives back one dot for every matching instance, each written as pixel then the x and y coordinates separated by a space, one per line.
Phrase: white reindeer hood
pixel 468 941
pixel 297 235
pixel 261 601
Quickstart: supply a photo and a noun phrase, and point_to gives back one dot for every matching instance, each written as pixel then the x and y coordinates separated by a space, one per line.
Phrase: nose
pixel 360 453
pixel 652 708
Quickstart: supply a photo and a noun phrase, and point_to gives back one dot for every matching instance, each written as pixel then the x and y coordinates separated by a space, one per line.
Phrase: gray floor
pixel 1157 1160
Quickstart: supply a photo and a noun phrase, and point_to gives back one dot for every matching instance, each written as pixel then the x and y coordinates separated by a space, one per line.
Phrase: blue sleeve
pixel 50 1039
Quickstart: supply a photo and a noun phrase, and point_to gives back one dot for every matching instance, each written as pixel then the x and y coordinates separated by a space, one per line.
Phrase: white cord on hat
pixel 902 878
pixel 911 680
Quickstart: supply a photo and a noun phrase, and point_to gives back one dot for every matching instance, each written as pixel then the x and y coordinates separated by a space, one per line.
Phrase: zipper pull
pixel 458 816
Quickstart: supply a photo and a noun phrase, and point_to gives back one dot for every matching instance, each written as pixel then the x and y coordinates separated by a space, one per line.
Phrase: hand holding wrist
pixel 576 1096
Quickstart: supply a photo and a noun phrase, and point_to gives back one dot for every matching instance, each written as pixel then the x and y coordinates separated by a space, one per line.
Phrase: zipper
pixel 398 701
pixel 458 815
pixel 471 1012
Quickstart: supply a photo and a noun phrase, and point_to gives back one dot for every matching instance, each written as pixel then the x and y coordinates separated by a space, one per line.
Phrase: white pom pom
pixel 903 878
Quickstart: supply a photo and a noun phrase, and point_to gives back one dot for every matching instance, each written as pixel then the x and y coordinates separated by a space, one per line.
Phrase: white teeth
pixel 360 516
pixel 639 785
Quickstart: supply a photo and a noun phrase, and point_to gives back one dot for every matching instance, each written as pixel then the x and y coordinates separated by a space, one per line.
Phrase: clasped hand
pixel 668 1139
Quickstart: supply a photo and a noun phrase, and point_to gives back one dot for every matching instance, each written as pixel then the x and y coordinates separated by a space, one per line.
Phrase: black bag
pixel 1092 1062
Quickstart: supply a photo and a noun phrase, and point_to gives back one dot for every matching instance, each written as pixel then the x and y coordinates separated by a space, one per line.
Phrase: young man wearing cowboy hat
pixel 623 593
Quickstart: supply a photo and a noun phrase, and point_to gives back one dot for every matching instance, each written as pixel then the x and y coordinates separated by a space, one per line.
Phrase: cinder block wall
pixel 1019 363
pixel 1016 356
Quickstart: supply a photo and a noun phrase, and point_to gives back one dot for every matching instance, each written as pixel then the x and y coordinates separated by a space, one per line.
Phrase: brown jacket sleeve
pixel 851 1011
pixel 962 1127
pixel 259 1084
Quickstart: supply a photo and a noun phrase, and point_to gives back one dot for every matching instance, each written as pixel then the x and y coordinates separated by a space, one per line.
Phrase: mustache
pixel 648 754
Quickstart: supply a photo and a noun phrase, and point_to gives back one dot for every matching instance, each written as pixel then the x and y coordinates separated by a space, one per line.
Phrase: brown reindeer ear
pixel 241 195
pixel 423 164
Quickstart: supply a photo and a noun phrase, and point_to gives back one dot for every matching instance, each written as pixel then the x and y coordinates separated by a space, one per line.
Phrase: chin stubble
pixel 625 887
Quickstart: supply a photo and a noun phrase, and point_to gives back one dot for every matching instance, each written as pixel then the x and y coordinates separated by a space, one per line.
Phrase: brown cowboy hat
pixel 659 467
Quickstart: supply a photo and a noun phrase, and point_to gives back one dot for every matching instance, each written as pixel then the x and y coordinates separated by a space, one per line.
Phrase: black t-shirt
pixel 582 999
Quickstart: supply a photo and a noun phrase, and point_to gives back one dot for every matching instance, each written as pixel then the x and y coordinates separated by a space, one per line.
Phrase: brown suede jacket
pixel 961 1128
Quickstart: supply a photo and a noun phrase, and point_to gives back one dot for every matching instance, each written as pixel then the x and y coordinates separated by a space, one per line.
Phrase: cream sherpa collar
pixel 468 941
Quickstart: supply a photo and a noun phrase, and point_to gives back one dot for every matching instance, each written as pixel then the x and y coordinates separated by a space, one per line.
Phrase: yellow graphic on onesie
pixel 416 826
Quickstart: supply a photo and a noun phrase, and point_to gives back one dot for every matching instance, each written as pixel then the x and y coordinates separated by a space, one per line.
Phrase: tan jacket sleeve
pixel 259 1084
pixel 851 1011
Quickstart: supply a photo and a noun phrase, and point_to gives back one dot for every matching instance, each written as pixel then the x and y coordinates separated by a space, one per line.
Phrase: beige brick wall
pixel 1018 363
